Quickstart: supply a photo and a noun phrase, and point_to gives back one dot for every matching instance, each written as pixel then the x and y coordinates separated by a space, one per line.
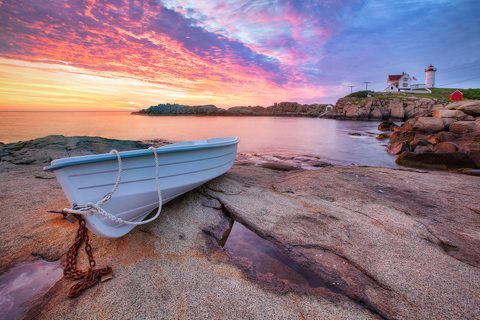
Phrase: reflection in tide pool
pixel 267 258
pixel 23 283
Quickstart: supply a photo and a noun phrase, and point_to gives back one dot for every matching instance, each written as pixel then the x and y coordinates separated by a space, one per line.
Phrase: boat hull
pixel 182 167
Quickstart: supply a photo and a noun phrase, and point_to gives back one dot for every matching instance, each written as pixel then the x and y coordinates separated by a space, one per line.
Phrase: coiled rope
pixel 90 208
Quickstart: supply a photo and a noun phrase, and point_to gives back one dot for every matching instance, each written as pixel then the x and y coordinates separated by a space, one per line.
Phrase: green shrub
pixel 472 94
pixel 360 94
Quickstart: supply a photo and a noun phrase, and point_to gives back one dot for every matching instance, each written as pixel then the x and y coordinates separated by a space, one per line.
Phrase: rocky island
pixel 380 243
pixel 282 109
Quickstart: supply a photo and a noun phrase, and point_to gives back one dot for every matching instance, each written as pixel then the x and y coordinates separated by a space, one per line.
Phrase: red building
pixel 456 95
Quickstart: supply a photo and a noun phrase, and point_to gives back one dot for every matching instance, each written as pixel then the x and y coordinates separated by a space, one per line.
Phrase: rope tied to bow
pixel 91 276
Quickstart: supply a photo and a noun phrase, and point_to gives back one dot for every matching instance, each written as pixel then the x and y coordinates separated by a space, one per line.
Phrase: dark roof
pixel 395 77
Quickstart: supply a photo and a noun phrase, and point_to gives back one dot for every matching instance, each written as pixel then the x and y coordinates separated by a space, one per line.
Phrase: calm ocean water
pixel 328 139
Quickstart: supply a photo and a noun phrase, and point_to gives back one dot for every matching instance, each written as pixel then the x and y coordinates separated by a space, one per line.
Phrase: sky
pixel 122 55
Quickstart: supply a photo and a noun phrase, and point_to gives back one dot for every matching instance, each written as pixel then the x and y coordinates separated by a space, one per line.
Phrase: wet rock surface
pixel 393 243
pixel 439 161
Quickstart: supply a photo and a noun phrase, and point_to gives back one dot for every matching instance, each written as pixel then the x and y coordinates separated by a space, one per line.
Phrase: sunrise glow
pixel 91 55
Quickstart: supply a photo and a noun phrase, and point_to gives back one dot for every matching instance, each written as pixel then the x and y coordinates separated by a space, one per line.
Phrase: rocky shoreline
pixel 388 243
pixel 382 108
pixel 441 138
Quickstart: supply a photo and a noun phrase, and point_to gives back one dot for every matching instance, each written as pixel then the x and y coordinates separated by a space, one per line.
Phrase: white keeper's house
pixel 403 82
pixel 398 82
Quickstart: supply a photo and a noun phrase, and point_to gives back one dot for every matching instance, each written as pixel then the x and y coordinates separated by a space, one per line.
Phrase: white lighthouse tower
pixel 430 77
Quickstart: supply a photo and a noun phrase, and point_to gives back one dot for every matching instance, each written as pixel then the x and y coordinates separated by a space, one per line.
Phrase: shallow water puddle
pixel 23 283
pixel 267 258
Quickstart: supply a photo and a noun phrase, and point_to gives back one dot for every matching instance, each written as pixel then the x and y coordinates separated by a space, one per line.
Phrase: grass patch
pixel 468 94
pixel 437 93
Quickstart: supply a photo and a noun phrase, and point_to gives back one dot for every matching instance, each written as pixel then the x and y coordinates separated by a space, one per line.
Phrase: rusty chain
pixel 89 277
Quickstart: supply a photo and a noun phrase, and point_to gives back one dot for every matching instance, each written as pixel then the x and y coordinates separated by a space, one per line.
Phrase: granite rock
pixel 398 109
pixel 387 126
pixel 391 243
pixel 449 130
pixel 398 147
pixel 437 160
pixel 470 107
pixel 445 147
pixel 429 124
pixel 456 114
pixel 461 127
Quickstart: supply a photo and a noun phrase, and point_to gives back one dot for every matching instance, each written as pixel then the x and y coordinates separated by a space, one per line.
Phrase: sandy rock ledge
pixel 391 243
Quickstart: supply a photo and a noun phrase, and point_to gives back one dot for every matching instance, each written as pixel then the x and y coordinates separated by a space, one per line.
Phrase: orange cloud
pixel 81 55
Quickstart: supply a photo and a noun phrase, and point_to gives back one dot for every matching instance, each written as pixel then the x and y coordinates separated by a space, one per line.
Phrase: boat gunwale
pixel 170 148
pixel 160 177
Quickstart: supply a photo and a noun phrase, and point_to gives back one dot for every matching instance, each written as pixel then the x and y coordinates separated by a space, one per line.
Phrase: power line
pixel 443 85
pixel 465 66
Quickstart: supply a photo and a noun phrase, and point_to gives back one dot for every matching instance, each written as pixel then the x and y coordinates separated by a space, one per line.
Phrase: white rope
pixel 119 178
pixel 90 208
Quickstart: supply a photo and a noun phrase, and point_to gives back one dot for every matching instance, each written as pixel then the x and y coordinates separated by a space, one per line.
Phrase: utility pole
pixel 366 85
pixel 351 88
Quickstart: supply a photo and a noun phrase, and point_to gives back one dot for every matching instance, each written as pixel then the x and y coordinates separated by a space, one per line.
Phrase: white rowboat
pixel 182 167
